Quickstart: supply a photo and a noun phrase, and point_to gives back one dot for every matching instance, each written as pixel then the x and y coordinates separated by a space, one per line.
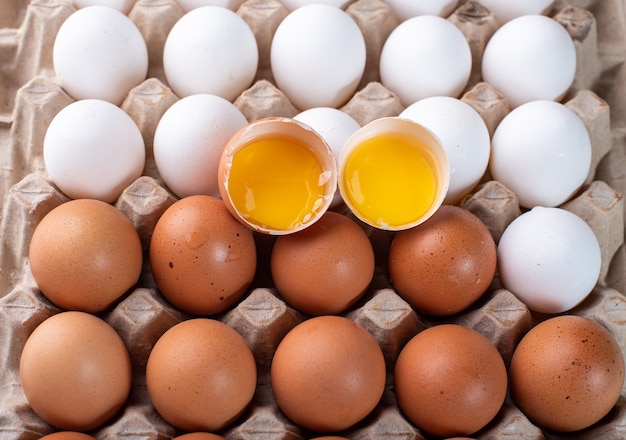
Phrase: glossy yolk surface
pixel 390 180
pixel 276 183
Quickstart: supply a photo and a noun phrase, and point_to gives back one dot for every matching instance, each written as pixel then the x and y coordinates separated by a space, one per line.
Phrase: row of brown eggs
pixel 205 261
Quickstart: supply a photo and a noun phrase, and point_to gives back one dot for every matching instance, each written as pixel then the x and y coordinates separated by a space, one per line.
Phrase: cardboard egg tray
pixel 30 97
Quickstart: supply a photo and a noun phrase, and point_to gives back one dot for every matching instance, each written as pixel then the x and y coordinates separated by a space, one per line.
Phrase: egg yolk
pixel 391 180
pixel 276 183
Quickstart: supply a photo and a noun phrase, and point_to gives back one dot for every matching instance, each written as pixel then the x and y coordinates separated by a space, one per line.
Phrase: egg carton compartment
pixel 31 96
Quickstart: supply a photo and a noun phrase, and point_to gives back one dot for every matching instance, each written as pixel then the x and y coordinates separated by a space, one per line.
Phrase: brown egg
pixel 75 371
pixel 330 437
pixel 450 380
pixel 85 255
pixel 567 373
pixel 201 375
pixel 199 436
pixel 445 264
pixel 328 373
pixel 338 262
pixel 67 435
pixel 202 259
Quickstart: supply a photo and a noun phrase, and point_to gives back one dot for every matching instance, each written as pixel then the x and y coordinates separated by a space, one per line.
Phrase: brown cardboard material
pixel 30 97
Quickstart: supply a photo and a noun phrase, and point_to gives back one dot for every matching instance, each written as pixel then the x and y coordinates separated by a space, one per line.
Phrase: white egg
pixel 189 140
pixel 210 50
pixel 93 149
pixel 295 4
pixel 425 56
pixel 124 6
pixel 318 56
pixel 188 5
pixel 99 53
pixel 464 136
pixel 530 58
pixel 404 9
pixel 510 9
pixel 335 127
pixel 542 152
pixel 549 258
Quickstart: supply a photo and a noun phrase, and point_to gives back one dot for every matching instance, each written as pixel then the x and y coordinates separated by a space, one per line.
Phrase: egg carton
pixel 30 96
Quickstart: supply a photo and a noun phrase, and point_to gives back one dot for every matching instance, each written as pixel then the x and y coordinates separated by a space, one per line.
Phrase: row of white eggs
pixel 541 150
pixel 318 56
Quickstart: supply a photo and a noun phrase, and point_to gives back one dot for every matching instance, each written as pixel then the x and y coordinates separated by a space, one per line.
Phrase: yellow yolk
pixel 276 183
pixel 391 180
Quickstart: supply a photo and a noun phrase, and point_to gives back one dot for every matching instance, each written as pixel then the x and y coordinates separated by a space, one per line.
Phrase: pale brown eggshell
pixel 75 371
pixel 328 373
pixel 445 264
pixel 67 435
pixel 330 437
pixel 325 268
pixel 201 375
pixel 199 436
pixel 202 259
pixel 567 373
pixel 450 380
pixel 85 255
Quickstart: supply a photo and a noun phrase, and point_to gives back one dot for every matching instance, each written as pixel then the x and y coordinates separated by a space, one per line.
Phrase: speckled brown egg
pixel 201 375
pixel 85 255
pixel 445 264
pixel 567 373
pixel 75 371
pixel 327 373
pixel 325 268
pixel 202 259
pixel 450 380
